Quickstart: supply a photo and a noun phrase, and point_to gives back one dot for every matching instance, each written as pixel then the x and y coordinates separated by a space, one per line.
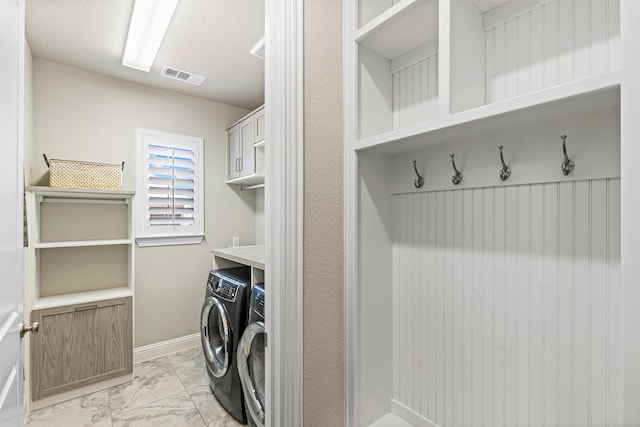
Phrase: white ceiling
pixel 208 37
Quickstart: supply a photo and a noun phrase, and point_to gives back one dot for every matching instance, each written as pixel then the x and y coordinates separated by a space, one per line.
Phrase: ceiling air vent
pixel 183 76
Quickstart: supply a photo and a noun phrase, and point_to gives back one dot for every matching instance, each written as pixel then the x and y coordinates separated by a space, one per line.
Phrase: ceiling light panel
pixel 149 22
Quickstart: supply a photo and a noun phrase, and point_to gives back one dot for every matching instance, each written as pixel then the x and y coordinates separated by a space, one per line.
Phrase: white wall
pixel 88 116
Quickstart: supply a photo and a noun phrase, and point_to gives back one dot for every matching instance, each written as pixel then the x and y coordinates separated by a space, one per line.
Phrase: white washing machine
pixel 251 359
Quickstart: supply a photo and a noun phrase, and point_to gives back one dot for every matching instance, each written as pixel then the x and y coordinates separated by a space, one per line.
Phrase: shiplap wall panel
pixel 550 304
pixel 564 285
pixel 488 237
pixel 613 395
pixel 552 43
pixel 415 92
pixel 507 304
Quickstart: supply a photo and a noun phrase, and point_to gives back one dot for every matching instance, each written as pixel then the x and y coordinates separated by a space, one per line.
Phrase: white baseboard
pixel 410 416
pixel 162 348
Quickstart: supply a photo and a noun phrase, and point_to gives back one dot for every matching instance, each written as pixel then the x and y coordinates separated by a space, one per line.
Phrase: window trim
pixel 142 236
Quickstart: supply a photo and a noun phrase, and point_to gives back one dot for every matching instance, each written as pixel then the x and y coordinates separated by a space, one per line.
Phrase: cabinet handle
pixel 33 328
pixel 240 161
pixel 86 307
pixel 237 169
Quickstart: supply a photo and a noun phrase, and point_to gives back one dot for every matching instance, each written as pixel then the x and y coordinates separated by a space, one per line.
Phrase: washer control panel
pixel 223 287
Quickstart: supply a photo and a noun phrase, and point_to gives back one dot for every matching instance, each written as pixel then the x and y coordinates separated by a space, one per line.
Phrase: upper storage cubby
pixel 505 49
pixel 398 65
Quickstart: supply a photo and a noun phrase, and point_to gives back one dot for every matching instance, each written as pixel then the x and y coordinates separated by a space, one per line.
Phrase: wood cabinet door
pixel 248 165
pixel 81 344
pixel 233 152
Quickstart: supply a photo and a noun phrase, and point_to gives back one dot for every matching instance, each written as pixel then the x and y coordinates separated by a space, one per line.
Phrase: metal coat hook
pixel 457 178
pixel 505 172
pixel 567 165
pixel 420 181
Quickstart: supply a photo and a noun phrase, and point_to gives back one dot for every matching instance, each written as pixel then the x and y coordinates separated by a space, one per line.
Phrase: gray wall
pixel 323 215
pixel 259 217
pixel 81 115
pixel 28 110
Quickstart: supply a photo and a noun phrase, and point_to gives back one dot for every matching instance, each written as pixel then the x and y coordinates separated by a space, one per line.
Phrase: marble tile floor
pixel 170 391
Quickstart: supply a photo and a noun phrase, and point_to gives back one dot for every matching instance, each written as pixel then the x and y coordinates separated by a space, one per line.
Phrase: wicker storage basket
pixel 85 175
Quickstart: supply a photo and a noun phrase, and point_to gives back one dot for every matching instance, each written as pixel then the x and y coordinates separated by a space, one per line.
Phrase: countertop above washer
pixel 248 255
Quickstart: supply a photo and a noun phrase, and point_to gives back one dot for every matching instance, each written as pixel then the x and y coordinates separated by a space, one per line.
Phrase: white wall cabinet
pixel 80 282
pixel 260 124
pixel 245 150
pixel 501 302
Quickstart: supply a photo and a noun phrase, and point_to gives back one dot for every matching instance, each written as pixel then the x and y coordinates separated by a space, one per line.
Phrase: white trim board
pixel 410 416
pixel 163 348
pixel 284 212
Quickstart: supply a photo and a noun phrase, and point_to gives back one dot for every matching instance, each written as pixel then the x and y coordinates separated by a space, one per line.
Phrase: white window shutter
pixel 169 188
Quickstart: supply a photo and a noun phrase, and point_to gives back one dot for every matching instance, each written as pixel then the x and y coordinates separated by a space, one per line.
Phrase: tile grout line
pixel 170 363
pixel 187 390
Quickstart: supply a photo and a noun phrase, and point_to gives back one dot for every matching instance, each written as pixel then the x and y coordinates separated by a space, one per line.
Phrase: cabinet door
pixel 233 152
pixel 248 165
pixel 259 126
pixel 80 344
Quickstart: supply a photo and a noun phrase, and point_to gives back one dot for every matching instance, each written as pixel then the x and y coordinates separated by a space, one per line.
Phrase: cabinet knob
pixel 34 327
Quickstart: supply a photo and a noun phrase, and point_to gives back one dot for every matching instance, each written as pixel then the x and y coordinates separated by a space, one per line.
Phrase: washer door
pixel 216 336
pixel 251 365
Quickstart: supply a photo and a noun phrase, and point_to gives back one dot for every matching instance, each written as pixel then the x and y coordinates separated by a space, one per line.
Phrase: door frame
pixel 12 126
pixel 284 195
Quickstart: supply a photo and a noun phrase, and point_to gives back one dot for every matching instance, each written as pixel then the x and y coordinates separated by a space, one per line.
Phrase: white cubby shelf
pixel 82 297
pixel 588 94
pixel 82 243
pixel 420 62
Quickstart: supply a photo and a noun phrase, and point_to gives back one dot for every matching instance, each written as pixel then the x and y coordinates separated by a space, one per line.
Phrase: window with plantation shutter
pixel 169 197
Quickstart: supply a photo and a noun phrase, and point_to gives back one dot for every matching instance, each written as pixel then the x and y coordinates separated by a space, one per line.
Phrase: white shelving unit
pixel 80 259
pixel 49 235
pixel 491 302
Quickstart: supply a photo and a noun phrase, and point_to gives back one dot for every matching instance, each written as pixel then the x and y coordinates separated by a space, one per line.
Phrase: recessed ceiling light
pixel 149 22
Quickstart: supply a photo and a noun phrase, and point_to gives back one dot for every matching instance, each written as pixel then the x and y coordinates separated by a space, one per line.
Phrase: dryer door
pixel 215 332
pixel 251 364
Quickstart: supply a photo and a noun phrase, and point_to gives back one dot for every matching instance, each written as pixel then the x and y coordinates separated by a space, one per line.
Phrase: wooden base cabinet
pixel 80 344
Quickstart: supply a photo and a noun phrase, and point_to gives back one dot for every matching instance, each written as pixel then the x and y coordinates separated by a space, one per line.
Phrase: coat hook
pixel 420 181
pixel 457 178
pixel 567 165
pixel 505 172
